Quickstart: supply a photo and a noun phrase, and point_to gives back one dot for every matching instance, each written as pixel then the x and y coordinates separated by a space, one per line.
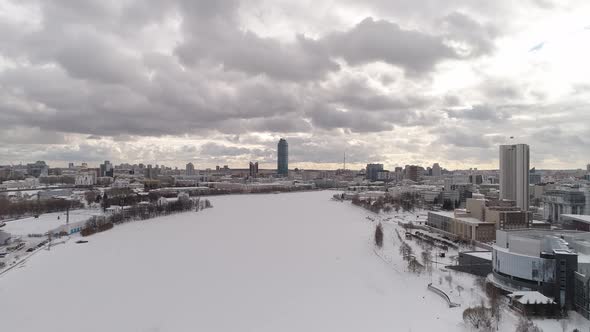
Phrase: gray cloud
pixel 98 79
pixel 385 41
pixel 480 113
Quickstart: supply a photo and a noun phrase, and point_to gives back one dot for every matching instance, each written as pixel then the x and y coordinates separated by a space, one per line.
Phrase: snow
pixel 481 254
pixel 287 262
pixel 46 222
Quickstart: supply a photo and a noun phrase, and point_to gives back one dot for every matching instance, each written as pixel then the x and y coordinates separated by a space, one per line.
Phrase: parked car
pixel 31 249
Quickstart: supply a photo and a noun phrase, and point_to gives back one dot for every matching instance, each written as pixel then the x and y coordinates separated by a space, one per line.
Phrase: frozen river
pixel 278 262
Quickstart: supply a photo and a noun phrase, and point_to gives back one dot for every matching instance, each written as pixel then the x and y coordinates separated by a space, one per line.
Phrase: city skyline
pixel 468 78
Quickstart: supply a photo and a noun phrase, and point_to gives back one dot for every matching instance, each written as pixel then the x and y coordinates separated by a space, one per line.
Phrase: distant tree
pixel 449 279
pixel 105 202
pixel 447 205
pixel 414 266
pixel 90 197
pixel 495 301
pixel 379 235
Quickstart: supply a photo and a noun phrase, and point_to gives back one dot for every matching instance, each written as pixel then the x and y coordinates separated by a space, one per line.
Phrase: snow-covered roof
pixel 577 217
pixel 530 297
pixel 480 254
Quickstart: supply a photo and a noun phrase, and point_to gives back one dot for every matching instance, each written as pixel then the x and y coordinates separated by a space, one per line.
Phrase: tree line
pixel 22 208
pixel 141 212
pixel 406 201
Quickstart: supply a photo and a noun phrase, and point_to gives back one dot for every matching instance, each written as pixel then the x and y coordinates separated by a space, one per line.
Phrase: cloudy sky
pixel 220 81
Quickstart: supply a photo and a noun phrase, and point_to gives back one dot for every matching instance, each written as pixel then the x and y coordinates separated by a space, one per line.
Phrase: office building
pixel 514 174
pixel 372 171
pixel 563 201
pixel 412 173
pixel 283 158
pixel 190 169
pixel 436 170
pixel 253 169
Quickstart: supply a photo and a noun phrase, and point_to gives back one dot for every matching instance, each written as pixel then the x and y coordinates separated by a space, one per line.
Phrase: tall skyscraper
pixel 514 174
pixel 436 170
pixel 283 158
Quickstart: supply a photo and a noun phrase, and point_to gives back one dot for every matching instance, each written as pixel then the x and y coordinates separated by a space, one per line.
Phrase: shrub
pixel 478 317
pixel 379 235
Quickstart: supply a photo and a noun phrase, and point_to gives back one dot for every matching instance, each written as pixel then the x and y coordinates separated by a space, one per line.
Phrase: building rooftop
pixel 487 255
pixel 471 220
pixel 577 217
pixel 530 297
pixel 449 214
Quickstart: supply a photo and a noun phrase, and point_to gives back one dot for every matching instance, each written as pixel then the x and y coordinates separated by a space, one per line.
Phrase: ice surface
pixel 284 262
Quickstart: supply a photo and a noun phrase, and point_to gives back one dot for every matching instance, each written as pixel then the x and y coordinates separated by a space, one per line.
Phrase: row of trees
pixel 142 212
pixel 34 207
pixel 406 202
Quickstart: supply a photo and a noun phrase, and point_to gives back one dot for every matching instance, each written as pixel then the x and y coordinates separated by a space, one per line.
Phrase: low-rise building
pixel 554 263
pixel 442 220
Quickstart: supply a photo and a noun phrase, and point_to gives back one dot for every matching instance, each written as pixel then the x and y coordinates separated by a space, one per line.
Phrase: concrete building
pixel 106 169
pixel 469 228
pixel 85 179
pixel 372 171
pixel 514 174
pixel 551 262
pixel 503 214
pixel 563 201
pixel 578 222
pixel 283 158
pixel 474 262
pixel 436 170
pixel 253 169
pixel 442 220
pixel 412 173
pixel 190 169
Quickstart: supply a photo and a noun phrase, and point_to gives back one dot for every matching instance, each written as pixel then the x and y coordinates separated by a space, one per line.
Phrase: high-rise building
pixel 412 173
pixel 149 172
pixel 436 170
pixel 71 165
pixel 588 168
pixel 514 174
pixel 253 169
pixel 190 169
pixel 283 158
pixel 373 170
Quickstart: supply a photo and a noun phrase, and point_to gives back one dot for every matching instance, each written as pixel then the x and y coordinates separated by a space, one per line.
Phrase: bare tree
pixel 478 317
pixel 495 301
pixel 449 279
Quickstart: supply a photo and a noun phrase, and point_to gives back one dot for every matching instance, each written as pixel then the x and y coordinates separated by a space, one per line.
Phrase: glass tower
pixel 283 158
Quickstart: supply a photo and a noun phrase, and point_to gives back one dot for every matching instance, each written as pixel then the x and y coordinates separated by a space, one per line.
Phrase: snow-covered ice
pixel 46 222
pixel 278 262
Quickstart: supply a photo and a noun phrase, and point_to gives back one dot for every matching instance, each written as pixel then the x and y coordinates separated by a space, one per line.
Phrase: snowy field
pixel 46 222
pixel 278 262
